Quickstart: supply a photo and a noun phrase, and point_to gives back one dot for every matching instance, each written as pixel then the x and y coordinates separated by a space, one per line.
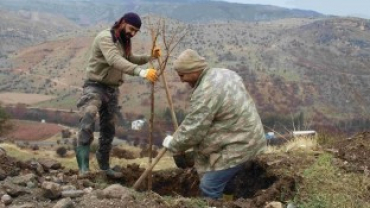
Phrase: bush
pixel 61 151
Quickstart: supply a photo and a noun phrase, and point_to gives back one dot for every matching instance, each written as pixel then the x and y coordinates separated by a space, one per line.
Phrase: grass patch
pixel 68 102
pixel 69 162
pixel 325 185
pixel 297 144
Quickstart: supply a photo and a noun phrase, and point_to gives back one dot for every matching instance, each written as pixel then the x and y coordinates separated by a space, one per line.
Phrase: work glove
pixel 156 53
pixel 184 160
pixel 166 142
pixel 149 74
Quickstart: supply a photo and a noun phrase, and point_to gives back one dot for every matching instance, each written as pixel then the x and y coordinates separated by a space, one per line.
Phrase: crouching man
pixel 223 126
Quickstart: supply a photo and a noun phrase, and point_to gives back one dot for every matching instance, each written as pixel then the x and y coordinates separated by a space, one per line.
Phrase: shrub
pixel 61 151
pixel 35 147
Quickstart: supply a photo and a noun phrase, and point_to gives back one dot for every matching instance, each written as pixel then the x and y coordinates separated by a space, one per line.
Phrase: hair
pixel 126 42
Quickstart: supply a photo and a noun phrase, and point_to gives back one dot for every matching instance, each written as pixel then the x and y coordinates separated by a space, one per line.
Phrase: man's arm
pixel 114 58
pixel 139 59
pixel 204 105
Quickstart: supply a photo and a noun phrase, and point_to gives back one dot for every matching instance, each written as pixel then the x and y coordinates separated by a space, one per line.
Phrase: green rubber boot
pixel 82 157
pixel 103 162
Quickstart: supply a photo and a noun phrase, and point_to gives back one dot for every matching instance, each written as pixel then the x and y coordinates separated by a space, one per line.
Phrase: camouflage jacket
pixel 108 62
pixel 223 125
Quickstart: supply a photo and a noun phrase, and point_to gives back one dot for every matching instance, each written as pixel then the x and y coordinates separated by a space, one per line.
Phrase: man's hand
pixel 149 74
pixel 184 159
pixel 156 53
pixel 166 142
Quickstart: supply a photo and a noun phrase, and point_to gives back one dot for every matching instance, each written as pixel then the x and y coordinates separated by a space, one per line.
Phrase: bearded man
pixel 110 59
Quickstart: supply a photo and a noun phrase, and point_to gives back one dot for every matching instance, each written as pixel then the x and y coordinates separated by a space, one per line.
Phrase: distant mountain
pixel 91 12
pixel 24 28
pixel 319 67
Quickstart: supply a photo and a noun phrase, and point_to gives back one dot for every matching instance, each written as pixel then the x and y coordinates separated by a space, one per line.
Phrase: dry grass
pixel 297 144
pixel 15 98
pixel 69 161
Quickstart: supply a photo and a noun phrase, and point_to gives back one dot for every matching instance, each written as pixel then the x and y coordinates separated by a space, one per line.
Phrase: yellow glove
pixel 156 53
pixel 149 74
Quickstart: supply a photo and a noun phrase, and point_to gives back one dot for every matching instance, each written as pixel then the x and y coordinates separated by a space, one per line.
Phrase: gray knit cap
pixel 189 61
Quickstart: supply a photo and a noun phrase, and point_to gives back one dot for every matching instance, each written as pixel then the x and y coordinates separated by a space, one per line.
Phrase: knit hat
pixel 189 61
pixel 132 19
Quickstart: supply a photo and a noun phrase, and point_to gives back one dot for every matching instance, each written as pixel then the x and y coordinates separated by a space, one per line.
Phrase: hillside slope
pixel 315 66
pixel 24 28
pixel 96 11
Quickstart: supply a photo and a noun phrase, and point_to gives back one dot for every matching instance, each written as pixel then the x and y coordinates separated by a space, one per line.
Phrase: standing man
pixel 110 59
pixel 223 126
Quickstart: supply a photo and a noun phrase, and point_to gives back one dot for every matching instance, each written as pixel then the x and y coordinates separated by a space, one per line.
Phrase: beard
pixel 124 35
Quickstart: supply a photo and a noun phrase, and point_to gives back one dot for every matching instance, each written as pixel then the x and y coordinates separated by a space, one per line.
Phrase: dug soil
pixel 268 178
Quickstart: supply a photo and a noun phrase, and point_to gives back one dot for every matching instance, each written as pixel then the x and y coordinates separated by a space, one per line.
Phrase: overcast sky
pixel 357 8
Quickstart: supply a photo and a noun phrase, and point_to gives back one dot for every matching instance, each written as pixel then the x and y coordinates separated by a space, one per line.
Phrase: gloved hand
pixel 149 74
pixel 156 53
pixel 166 142
pixel 184 159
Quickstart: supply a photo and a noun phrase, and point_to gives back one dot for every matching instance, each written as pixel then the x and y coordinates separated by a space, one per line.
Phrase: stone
pixel 3 174
pixel 51 190
pixel 64 203
pixel 6 199
pixel 2 153
pixel 49 164
pixel 116 191
pixel 22 180
pixel 274 205
pixel 73 193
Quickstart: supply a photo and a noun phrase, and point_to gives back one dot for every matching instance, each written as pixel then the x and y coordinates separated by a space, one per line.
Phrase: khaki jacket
pixel 223 125
pixel 108 62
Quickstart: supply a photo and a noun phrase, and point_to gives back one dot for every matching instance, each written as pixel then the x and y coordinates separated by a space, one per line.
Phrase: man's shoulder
pixel 104 33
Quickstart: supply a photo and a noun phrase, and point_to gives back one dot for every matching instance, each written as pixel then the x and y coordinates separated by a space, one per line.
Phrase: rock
pixel 73 193
pixel 88 190
pixel 291 205
pixel 2 153
pixel 51 190
pixel 56 179
pixel 64 203
pixel 6 199
pixel 27 205
pixel 31 185
pixel 22 180
pixel 13 189
pixel 49 164
pixel 116 191
pixel 37 167
pixel 3 174
pixel 68 187
pixel 274 205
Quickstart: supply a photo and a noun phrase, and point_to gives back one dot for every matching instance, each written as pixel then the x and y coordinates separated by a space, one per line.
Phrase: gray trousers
pixel 97 99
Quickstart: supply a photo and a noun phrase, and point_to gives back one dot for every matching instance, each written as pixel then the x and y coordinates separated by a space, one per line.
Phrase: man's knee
pixel 210 189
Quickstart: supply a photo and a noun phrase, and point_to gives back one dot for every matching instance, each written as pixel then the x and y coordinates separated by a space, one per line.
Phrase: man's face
pixel 128 30
pixel 190 78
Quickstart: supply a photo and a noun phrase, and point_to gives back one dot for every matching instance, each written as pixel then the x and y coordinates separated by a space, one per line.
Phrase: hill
pixel 24 28
pixel 315 67
pixel 192 11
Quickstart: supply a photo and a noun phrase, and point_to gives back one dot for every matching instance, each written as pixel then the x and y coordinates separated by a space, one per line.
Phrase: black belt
pixel 98 84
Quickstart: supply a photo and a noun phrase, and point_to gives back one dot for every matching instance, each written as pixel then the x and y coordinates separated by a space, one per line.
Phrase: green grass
pixel 66 103
pixel 325 185
pixel 69 162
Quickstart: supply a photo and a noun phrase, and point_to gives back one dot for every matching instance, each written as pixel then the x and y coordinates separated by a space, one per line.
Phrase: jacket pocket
pixel 114 77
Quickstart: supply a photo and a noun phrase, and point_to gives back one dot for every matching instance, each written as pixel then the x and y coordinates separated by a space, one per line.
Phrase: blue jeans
pixel 213 183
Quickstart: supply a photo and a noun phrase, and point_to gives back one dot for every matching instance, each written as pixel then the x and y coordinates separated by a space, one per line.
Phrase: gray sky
pixel 357 8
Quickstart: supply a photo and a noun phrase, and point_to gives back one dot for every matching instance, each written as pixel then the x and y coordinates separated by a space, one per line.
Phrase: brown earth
pixel 355 152
pixel 32 131
pixel 271 177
